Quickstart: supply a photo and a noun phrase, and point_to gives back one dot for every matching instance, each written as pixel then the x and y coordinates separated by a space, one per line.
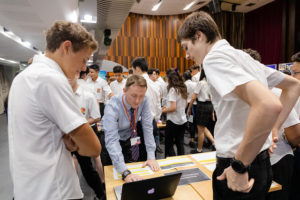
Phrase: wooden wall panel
pixel 152 37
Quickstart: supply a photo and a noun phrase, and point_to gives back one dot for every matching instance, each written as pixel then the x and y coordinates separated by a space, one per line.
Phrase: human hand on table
pixel 132 178
pixel 153 164
pixel 236 181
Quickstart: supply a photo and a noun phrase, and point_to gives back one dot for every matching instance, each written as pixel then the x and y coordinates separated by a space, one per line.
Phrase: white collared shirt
pixel 225 69
pixel 178 116
pixel 41 109
pixel 100 89
pixel 283 148
pixel 116 87
pixel 196 77
pixel 154 97
pixel 202 91
pixel 87 103
pixel 190 85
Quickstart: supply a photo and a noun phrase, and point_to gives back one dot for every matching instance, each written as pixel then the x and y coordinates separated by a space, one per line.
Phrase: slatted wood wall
pixel 152 37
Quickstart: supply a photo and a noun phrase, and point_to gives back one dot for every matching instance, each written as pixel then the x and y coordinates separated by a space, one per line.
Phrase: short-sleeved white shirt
pixel 87 103
pixel 225 69
pixel 116 87
pixel 154 97
pixel 283 148
pixel 41 109
pixel 196 77
pixel 297 107
pixel 190 85
pixel 202 91
pixel 100 89
pixel 178 116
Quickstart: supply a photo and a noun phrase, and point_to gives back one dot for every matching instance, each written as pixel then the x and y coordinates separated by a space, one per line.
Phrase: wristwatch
pixel 238 166
pixel 125 174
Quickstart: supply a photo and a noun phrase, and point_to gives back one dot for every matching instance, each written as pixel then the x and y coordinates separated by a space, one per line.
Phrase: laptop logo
pixel 151 191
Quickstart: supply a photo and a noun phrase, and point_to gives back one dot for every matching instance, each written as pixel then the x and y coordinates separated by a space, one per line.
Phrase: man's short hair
pixel 94 67
pixel 117 69
pixel 141 63
pixel 195 67
pixel 84 72
pixel 136 80
pixel 187 76
pixel 198 21
pixel 157 71
pixel 130 71
pixel 151 70
pixel 296 57
pixel 62 31
pixel 253 53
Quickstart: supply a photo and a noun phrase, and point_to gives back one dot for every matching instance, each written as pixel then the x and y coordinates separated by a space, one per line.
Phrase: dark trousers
pixel 295 194
pixel 126 151
pixel 174 133
pixel 101 107
pixel 260 170
pixel 89 173
pixel 282 174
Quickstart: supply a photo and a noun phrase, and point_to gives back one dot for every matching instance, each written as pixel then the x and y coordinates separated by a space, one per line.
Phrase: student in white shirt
pixel 84 77
pixel 44 121
pixel 163 87
pixel 196 73
pixel 176 118
pixel 204 112
pixel 118 85
pixel 100 87
pixel 140 67
pixel 246 109
pixel 190 85
pixel 90 109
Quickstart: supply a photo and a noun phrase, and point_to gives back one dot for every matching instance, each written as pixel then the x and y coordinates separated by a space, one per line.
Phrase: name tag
pixel 135 141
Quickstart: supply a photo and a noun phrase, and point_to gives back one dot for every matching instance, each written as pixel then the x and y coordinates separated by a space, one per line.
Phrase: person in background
pixel 84 77
pixel 119 126
pixel 204 112
pixel 90 109
pixel 140 67
pixel 100 87
pixel 47 123
pixel 118 85
pixel 195 73
pixel 176 118
pixel 246 109
pixel 190 85
pixel 130 72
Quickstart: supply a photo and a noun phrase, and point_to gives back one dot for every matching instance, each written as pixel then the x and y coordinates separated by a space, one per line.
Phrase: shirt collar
pixel 219 44
pixel 49 62
pixel 78 91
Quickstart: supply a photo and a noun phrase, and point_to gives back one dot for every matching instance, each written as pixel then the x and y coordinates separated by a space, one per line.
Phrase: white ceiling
pixel 29 19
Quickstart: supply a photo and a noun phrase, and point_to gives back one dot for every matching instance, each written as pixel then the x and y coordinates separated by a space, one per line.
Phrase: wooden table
pixel 198 191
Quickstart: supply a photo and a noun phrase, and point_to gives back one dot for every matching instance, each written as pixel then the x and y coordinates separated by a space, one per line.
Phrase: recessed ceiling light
pixel 156 6
pixel 189 5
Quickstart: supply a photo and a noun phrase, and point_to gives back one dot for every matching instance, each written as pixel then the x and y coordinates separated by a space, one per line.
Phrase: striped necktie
pixel 135 148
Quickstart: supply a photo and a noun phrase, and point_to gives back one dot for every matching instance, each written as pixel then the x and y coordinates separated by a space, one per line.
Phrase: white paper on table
pixel 175 162
pixel 203 158
pixel 211 166
pixel 135 169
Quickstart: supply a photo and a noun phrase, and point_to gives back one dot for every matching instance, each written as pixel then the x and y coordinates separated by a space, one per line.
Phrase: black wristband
pixel 238 166
pixel 125 174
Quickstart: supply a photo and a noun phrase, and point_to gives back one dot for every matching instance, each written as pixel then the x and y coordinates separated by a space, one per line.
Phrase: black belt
pixel 225 162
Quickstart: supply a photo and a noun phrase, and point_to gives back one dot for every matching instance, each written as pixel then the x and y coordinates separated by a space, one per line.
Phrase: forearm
pixel 259 125
pixel 92 120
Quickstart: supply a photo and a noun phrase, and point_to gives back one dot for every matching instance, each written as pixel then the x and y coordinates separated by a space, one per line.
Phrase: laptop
pixel 153 188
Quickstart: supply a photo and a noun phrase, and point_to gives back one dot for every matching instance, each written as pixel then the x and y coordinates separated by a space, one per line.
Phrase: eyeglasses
pixel 293 72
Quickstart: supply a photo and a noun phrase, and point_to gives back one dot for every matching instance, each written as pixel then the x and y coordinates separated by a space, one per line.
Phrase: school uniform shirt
pixel 283 148
pixel 177 117
pixel 87 103
pixel 202 91
pixel 225 69
pixel 196 77
pixel 163 86
pixel 190 85
pixel 154 97
pixel 297 107
pixel 41 109
pixel 116 126
pixel 116 87
pixel 100 89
